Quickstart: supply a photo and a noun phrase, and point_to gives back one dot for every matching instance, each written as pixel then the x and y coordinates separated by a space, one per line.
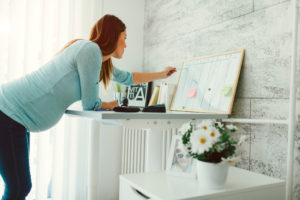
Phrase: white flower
pixel 242 140
pixel 200 141
pixel 231 127
pixel 219 147
pixel 204 125
pixel 230 160
pixel 184 128
pixel 213 133
pixel 219 124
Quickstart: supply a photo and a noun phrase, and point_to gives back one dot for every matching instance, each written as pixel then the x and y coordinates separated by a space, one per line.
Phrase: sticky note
pixel 226 90
pixel 192 93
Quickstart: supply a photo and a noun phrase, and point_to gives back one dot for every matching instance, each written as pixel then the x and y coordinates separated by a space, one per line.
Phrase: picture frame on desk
pixel 139 95
pixel 179 162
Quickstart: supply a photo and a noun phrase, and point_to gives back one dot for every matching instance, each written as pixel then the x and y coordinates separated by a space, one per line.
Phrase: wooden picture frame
pixel 185 165
pixel 208 84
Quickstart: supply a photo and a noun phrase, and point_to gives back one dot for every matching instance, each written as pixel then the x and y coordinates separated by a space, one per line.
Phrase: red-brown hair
pixel 105 33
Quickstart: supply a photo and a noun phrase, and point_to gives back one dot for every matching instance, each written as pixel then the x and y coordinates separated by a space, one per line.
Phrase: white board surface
pixel 208 83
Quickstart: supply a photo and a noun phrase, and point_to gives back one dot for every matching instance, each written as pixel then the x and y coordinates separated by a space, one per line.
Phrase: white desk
pixel 241 185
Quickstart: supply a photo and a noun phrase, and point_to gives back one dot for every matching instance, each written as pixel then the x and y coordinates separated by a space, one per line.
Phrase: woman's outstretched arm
pixel 147 77
pixel 109 105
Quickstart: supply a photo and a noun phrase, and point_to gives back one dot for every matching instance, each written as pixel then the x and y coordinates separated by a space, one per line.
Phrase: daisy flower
pixel 231 127
pixel 219 147
pixel 200 141
pixel 206 138
pixel 219 124
pixel 204 125
pixel 230 160
pixel 184 128
pixel 213 133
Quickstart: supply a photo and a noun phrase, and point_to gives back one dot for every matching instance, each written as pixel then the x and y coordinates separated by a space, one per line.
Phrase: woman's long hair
pixel 105 33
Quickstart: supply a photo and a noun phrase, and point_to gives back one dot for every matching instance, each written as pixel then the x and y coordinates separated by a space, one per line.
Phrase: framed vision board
pixel 208 84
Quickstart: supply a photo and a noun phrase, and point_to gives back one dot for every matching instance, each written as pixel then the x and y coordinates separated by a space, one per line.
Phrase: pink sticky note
pixel 192 93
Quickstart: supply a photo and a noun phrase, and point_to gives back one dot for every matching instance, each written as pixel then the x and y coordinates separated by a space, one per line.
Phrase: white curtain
pixel 31 32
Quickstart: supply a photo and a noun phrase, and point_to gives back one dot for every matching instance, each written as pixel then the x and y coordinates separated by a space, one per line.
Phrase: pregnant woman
pixel 37 101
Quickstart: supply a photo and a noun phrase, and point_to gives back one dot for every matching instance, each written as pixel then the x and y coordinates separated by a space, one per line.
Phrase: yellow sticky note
pixel 226 90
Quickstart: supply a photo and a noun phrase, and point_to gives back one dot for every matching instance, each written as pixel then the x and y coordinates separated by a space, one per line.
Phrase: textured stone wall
pixel 176 30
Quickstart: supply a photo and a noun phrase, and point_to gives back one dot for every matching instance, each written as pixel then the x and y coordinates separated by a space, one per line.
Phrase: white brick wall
pixel 176 30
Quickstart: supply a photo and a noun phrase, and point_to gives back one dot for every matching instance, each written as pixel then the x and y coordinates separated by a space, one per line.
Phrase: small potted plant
pixel 213 145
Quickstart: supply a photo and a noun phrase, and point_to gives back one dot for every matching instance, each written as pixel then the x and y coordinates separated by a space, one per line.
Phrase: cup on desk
pixel 117 97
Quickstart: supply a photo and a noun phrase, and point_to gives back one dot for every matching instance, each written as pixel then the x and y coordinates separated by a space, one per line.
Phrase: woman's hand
pixel 168 71
pixel 109 105
pixel 147 77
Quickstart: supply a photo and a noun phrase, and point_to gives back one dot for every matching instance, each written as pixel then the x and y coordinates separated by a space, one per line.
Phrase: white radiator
pixel 134 148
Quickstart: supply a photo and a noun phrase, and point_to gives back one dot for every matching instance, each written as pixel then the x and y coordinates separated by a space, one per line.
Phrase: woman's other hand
pixel 168 71
pixel 109 105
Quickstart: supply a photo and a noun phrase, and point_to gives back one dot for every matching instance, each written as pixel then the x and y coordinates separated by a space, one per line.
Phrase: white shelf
pixel 241 184
pixel 110 115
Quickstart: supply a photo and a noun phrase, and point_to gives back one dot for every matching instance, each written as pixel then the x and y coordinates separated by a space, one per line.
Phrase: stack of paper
pixel 154 96
pixel 165 94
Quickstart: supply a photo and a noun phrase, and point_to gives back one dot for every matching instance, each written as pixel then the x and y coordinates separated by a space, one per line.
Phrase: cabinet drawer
pixel 128 192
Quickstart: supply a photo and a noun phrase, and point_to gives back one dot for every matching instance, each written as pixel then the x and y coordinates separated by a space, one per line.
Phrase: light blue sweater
pixel 38 100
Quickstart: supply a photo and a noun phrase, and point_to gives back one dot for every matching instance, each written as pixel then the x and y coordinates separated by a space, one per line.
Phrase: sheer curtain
pixel 31 32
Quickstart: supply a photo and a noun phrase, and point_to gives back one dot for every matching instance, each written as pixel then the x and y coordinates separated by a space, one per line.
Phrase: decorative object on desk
pixel 208 84
pixel 117 97
pixel 154 96
pixel 180 162
pixel 127 109
pixel 162 97
pixel 161 108
pixel 118 93
pixel 138 95
pixel 124 102
pixel 213 145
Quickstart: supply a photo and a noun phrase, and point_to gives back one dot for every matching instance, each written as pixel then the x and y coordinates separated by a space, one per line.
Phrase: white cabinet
pixel 241 185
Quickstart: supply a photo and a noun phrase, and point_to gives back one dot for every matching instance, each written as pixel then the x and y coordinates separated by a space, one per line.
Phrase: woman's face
pixel 121 45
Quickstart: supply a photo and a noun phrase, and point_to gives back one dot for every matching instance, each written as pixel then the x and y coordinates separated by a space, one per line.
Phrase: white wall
pixel 177 30
pixel 109 150
pixel 131 12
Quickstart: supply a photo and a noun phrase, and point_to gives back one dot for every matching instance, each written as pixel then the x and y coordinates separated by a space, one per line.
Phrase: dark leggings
pixel 14 159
